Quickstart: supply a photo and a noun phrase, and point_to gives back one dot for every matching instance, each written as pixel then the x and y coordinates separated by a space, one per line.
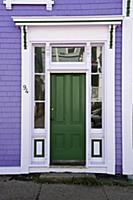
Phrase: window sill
pixel 48 3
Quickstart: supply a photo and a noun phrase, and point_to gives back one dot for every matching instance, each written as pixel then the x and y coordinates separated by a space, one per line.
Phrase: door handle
pixel 52 113
pixel 52 109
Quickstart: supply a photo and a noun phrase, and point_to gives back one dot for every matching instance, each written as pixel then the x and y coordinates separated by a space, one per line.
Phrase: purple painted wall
pixel 69 7
pixel 118 98
pixel 10 69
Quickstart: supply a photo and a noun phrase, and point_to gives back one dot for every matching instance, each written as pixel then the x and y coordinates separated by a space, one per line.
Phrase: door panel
pixel 67 118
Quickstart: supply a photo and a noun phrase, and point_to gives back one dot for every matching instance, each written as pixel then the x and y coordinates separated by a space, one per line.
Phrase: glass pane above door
pixel 68 54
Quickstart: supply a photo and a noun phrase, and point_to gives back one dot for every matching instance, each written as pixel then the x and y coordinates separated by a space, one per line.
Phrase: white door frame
pixel 102 167
pixel 87 96
pixel 50 70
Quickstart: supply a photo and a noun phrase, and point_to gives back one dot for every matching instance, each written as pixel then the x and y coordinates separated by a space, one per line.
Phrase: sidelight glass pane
pixel 96 115
pixel 39 87
pixel 95 80
pixel 39 116
pixel 39 59
pixel 68 54
pixel 96 59
pixel 96 87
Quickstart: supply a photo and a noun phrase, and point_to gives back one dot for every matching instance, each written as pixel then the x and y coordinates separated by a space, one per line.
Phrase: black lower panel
pixel 68 162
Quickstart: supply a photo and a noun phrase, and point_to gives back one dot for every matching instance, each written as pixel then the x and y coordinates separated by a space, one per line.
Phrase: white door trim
pixel 87 96
pixel 109 165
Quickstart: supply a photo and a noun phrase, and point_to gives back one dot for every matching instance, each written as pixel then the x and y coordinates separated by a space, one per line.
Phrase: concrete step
pixel 75 178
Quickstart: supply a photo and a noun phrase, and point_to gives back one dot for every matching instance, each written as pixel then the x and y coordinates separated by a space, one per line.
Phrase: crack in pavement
pixel 107 198
pixel 39 192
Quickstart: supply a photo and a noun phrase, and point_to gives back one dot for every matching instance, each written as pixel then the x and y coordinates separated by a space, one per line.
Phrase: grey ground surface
pixel 27 189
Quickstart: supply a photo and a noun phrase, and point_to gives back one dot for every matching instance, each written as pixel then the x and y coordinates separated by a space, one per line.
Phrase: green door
pixel 68 119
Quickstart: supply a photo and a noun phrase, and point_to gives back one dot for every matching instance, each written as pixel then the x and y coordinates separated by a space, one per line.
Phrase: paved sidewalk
pixel 26 189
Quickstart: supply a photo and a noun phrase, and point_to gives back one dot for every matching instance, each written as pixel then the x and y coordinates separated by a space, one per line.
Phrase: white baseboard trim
pixel 58 169
pixel 12 170
pixel 42 169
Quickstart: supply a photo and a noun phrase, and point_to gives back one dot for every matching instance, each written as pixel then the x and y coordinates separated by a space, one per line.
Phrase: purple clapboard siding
pixel 68 8
pixel 10 69
pixel 118 97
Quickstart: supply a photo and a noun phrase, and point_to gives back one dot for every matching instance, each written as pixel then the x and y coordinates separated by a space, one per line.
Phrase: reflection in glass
pixel 94 93
pixel 39 117
pixel 96 115
pixel 96 59
pixel 96 87
pixel 39 59
pixel 95 80
pixel 39 87
pixel 68 54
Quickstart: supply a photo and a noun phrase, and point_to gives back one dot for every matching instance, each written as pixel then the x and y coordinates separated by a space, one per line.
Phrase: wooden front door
pixel 68 119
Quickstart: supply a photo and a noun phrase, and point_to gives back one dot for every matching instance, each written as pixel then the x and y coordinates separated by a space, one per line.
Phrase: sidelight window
pixel 96 87
pixel 39 91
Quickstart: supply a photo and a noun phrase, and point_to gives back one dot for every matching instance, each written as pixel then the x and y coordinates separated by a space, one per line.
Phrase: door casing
pixel 96 34
pixel 87 115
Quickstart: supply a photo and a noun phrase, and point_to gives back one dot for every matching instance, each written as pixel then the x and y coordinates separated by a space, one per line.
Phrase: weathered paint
pixel 10 69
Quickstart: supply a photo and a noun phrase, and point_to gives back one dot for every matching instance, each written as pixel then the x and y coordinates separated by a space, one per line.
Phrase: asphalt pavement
pixel 27 189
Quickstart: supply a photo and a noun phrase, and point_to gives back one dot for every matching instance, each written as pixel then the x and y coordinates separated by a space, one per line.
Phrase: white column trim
pixel 25 105
pixel 131 9
pixel 110 105
pixel 124 7
pixel 127 96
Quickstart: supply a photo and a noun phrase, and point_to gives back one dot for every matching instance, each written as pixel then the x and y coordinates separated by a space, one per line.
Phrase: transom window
pixel 68 54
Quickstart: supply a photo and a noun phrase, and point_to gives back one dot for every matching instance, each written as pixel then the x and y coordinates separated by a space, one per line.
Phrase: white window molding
pixel 124 7
pixel 48 3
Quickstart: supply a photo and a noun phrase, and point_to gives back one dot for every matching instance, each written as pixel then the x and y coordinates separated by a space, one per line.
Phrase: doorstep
pixel 66 178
